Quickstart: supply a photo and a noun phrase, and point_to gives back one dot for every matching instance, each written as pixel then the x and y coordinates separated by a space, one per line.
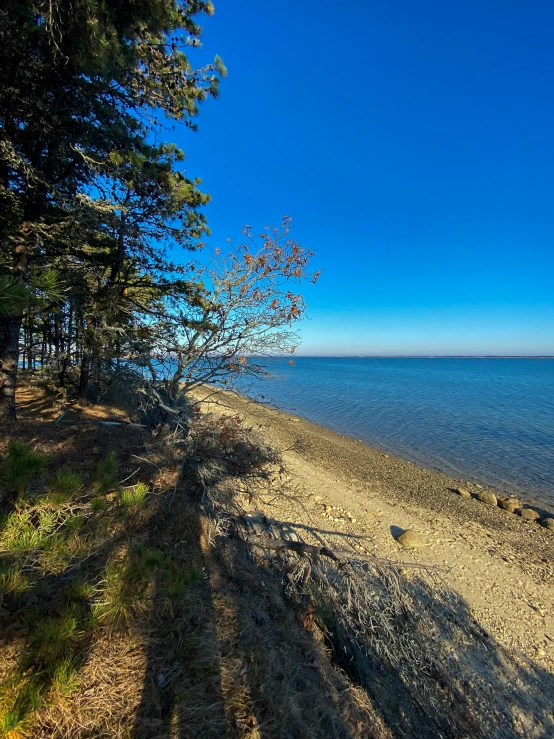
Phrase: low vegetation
pixel 117 605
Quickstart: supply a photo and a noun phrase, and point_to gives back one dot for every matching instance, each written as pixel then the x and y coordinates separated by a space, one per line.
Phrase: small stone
pixel 528 514
pixel 463 492
pixel 510 504
pixel 485 496
pixel 410 538
pixel 317 498
pixel 548 523
pixel 328 508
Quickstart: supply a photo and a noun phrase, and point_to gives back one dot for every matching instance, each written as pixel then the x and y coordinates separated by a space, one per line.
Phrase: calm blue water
pixel 490 420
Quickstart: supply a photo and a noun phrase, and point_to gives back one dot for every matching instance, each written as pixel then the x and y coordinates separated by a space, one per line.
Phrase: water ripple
pixel 486 419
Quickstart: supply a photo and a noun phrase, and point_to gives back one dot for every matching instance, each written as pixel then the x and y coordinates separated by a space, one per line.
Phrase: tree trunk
pixel 10 326
pixel 85 371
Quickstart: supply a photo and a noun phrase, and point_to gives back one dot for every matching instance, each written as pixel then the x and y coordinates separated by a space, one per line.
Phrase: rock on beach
pixel 463 492
pixel 528 514
pixel 510 504
pixel 485 496
pixel 410 538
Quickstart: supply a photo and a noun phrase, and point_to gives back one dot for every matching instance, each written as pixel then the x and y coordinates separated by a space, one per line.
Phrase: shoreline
pixel 500 564
pixel 391 478
pixel 501 488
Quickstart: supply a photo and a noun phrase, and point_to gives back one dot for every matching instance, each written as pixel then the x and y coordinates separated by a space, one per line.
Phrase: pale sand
pixel 500 564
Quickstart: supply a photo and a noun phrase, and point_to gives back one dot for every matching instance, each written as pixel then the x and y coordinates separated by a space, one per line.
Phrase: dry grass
pixel 126 612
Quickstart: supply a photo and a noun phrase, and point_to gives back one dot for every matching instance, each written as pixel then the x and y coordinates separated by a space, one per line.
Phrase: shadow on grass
pixel 234 658
pixel 52 561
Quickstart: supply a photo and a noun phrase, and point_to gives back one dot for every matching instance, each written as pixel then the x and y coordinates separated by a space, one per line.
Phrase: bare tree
pixel 243 310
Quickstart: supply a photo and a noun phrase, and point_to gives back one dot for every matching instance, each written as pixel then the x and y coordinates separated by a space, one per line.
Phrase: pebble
pixel 548 523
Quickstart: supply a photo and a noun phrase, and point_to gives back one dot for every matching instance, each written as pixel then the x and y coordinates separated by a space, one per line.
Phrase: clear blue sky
pixel 413 144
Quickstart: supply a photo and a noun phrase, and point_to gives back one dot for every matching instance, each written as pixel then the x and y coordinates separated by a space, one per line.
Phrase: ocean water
pixel 486 420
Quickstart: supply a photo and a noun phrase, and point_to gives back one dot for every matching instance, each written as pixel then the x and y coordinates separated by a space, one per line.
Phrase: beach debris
pixel 510 504
pixel 548 523
pixel 529 514
pixel 410 538
pixel 485 496
pixel 463 492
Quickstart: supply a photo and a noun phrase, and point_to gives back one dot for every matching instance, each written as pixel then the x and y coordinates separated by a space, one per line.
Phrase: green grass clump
pixel 134 496
pixel 177 580
pixel 98 504
pixel 18 703
pixel 64 486
pixel 20 466
pixel 106 473
pixel 194 575
pixel 74 523
pixel 54 639
pixel 123 585
pixel 12 580
pixel 126 583
pixel 20 532
pixel 64 676
pixel 78 591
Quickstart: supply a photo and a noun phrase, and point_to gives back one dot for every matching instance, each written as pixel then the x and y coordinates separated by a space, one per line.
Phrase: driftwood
pixel 81 421
pixel 296 546
pixel 130 424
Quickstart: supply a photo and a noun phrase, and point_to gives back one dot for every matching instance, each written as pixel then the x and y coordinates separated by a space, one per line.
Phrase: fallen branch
pixel 124 423
pixel 296 546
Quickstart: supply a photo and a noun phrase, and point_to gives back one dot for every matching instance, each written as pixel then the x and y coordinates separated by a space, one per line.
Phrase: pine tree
pixel 82 84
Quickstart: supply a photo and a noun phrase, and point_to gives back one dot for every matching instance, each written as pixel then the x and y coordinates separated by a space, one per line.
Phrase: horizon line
pixel 425 356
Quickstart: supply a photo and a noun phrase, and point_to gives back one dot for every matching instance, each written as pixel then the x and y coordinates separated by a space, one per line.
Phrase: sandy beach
pixel 501 565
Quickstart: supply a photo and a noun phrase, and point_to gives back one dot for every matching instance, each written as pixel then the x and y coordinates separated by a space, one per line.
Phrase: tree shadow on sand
pixel 234 659
pixel 278 644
